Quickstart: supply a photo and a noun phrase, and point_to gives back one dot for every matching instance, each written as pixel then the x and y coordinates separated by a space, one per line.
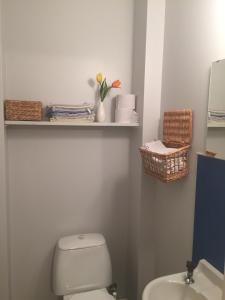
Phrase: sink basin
pixel 207 286
pixel 163 290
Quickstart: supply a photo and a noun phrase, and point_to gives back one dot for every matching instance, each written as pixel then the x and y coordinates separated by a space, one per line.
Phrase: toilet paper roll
pixel 123 115
pixel 125 101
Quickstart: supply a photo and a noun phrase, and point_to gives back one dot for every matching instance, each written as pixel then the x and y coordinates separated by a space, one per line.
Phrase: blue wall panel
pixel 209 227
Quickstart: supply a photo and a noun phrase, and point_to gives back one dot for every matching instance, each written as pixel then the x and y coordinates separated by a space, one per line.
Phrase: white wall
pixel 65 181
pixel 151 116
pixel 53 48
pixel 147 71
pixel 216 140
pixel 43 62
pixel 139 57
pixel 4 257
pixel 194 38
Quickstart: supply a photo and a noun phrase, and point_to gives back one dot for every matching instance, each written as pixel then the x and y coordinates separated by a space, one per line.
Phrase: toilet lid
pixel 92 295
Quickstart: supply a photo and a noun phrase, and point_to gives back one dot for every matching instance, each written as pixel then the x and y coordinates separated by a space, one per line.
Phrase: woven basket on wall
pixel 18 110
pixel 177 133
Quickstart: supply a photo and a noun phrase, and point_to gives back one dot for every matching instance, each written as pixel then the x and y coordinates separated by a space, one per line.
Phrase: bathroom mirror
pixel 215 142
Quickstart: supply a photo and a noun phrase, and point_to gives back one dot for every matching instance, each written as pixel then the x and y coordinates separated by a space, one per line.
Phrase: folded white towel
pixel 158 147
pixel 71 106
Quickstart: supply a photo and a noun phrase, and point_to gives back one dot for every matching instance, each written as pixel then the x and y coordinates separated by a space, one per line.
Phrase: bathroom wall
pixel 4 262
pixel 139 56
pixel 216 140
pixel 54 49
pixel 65 180
pixel 194 38
pixel 151 117
pixel 42 62
pixel 147 75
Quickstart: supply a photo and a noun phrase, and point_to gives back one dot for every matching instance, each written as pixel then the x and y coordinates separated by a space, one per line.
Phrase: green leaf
pixel 104 93
pixel 106 90
pixel 102 89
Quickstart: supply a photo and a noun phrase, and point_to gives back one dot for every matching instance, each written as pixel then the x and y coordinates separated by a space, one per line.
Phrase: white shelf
pixel 70 124
pixel 215 124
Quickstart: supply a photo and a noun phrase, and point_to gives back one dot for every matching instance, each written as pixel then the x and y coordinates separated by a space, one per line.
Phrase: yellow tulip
pixel 99 78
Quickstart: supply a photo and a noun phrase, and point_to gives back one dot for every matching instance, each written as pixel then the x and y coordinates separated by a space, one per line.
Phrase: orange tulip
pixel 116 84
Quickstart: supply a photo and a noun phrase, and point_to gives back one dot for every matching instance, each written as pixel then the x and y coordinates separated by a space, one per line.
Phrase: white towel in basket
pixel 158 147
pixel 172 165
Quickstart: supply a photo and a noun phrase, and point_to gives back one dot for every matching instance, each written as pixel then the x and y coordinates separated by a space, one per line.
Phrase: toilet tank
pixel 81 263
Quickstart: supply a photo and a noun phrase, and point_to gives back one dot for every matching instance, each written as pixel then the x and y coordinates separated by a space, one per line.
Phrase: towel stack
pixel 214 115
pixel 75 113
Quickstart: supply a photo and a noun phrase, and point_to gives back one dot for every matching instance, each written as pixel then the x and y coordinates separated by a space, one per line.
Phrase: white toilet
pixel 82 268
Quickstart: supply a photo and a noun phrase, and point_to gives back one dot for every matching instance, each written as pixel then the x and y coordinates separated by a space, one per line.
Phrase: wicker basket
pixel 177 133
pixel 17 110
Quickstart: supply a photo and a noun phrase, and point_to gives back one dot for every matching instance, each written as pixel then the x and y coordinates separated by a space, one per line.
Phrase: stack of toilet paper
pixel 125 109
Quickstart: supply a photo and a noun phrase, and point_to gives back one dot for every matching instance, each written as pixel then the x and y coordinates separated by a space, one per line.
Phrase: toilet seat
pixel 91 295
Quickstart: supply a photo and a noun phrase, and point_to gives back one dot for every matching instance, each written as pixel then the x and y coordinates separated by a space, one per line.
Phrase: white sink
pixel 207 286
